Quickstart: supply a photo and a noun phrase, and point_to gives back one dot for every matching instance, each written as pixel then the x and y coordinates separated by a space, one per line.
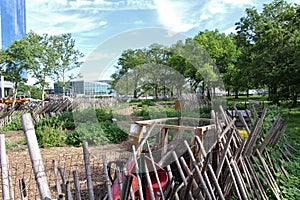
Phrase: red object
pixel 162 174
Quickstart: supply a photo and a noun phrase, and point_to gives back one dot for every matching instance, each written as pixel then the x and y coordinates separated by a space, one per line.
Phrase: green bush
pixel 68 120
pixel 90 132
pixel 148 102
pixel 114 133
pixel 15 125
pixel 171 112
pixel 97 134
pixel 103 114
pixel 50 137
pixel 50 132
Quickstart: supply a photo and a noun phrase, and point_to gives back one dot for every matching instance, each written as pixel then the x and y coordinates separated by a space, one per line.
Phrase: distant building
pixel 12 27
pixel 13 21
pixel 83 88
pixel 6 87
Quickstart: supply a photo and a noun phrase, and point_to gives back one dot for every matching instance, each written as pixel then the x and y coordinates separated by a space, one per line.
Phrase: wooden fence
pixel 211 161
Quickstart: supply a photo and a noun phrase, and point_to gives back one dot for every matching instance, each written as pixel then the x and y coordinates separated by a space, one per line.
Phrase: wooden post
pixel 77 185
pixel 35 156
pixel 164 141
pixel 155 171
pixel 4 170
pixel 23 192
pixel 88 170
pixel 107 180
pixel 57 182
pixel 137 173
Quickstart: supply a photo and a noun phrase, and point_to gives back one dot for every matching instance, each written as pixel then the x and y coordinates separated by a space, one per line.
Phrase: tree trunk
pixel 15 96
pixel 43 95
pixel 156 91
pixel 236 94
pixel 208 94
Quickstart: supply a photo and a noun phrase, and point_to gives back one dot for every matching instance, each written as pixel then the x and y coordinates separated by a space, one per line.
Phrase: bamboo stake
pixel 23 192
pixel 215 180
pixel 272 187
pixel 188 187
pixel 222 160
pixel 256 179
pixel 88 170
pixel 198 170
pixel 195 185
pixel 267 170
pixel 270 134
pixel 180 170
pixel 4 169
pixel 155 171
pixel 129 179
pixel 64 179
pixel 119 178
pixel 107 178
pixel 35 156
pixel 240 182
pixel 233 178
pixel 137 173
pixel 57 182
pixel 68 191
pixel 170 175
pixel 149 182
pixel 77 185
pixel 126 187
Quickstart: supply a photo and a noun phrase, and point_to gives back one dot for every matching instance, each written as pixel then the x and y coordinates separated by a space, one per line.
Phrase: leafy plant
pixel 90 132
pixel 48 136
pixel 114 133
pixel 15 125
pixel 68 120
pixel 49 132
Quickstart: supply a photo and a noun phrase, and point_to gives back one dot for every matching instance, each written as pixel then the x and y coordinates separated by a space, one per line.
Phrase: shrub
pixel 90 132
pixel 48 136
pixel 49 132
pixel 148 102
pixel 114 133
pixel 103 114
pixel 68 120
pixel 15 125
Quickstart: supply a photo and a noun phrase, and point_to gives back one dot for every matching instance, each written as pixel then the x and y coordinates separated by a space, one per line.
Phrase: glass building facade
pixel 82 88
pixel 13 21
pixel 12 27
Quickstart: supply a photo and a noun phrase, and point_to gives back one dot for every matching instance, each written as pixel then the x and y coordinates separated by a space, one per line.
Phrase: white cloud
pixel 102 23
pixel 174 15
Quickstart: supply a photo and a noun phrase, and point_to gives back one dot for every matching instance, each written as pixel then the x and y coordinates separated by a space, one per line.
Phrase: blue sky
pixel 92 22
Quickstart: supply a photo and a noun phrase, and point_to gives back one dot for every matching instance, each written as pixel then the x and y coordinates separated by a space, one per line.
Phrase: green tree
pixel 45 59
pixel 223 52
pixel 272 37
pixel 128 73
pixel 68 59
pixel 16 61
